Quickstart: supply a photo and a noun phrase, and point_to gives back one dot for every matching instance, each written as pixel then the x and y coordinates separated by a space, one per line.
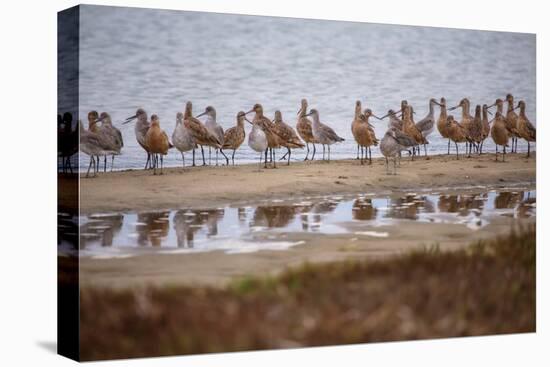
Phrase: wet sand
pixel 215 186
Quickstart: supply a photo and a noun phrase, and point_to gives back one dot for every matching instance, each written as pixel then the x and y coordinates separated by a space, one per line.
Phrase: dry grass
pixel 487 289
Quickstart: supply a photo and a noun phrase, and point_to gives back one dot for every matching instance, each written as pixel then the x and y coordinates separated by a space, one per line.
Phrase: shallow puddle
pixel 266 225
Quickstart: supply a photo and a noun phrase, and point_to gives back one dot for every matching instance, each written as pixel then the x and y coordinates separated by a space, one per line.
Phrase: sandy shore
pixel 215 186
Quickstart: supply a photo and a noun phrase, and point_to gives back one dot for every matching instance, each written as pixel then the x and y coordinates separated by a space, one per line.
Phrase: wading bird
pixel 182 138
pixel 304 127
pixel 112 135
pixel 442 123
pixel 500 134
pixel 214 128
pixel 93 144
pixel 157 142
pixel 365 136
pixel 257 140
pixel 526 130
pixel 273 140
pixel 234 137
pixel 288 137
pixel 140 130
pixel 323 133
pixel 427 124
pixel 200 133
pixel 456 132
pixel 512 122
pixel 486 126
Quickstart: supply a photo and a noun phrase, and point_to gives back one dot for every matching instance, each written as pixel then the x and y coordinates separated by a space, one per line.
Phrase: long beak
pixel 376 117
pixel 252 110
pixel 300 110
pixel 129 119
pixel 247 120
pixel 309 114
pixel 437 103
pixel 493 105
pixel 452 108
pixel 199 115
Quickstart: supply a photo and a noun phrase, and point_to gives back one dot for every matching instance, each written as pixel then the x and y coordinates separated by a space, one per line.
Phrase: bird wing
pixel 331 134
pixel 404 139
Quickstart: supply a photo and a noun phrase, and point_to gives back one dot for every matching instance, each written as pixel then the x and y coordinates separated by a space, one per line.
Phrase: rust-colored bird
pixel 304 127
pixel 526 130
pixel 355 125
pixel 157 142
pixel 364 135
pixel 455 132
pixel 410 129
pixel 512 122
pixel 500 134
pixel 486 126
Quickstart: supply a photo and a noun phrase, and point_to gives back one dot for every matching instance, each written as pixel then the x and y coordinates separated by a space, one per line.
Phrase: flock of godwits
pixel 403 134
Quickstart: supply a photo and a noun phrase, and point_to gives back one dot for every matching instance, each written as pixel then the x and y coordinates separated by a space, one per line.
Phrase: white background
pixel 28 202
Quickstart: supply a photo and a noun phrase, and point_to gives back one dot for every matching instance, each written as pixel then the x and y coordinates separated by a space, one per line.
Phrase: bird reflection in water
pixel 363 209
pixel 187 223
pixel 153 228
pixel 101 228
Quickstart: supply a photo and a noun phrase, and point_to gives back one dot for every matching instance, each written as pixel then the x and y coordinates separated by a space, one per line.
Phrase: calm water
pixel 158 60
pixel 265 225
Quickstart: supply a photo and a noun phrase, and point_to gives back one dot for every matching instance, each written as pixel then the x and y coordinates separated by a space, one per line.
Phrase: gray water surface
pixel 158 60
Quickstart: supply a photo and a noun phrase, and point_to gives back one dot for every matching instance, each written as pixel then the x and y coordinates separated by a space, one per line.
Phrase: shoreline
pixel 211 186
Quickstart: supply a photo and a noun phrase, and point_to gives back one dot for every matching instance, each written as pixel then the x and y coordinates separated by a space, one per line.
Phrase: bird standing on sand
pixel 182 138
pixel 323 134
pixel 393 142
pixel 442 123
pixel 455 132
pixel 112 135
pixel 93 144
pixel 257 140
pixel 157 142
pixel 273 140
pixel 475 129
pixel 288 137
pixel 427 124
pixel 234 137
pixel 486 125
pixel 512 122
pixel 200 133
pixel 526 130
pixel 365 136
pixel 140 130
pixel 410 129
pixel 500 134
pixel 355 125
pixel 214 128
pixel 304 127
pixel 466 121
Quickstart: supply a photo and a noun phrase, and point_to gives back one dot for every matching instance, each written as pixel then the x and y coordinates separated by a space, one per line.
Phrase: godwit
pixel 273 140
pixel 200 133
pixel 410 129
pixel 512 122
pixel 323 134
pixel 304 128
pixel 182 138
pixel 234 137
pixel 157 142
pixel 257 140
pixel 442 123
pixel 500 134
pixel 92 144
pixel 113 136
pixel 213 127
pixel 466 119
pixel 288 137
pixel 526 130
pixel 394 121
pixel 355 124
pixel 390 148
pixel 426 125
pixel 486 125
pixel 369 140
pixel 475 129
pixel 455 132
pixel 140 129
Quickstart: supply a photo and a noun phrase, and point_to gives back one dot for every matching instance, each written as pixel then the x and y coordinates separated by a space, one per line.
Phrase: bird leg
pixel 265 159
pixel 112 162
pixel 313 156
pixel 323 151
pixel 147 163
pixel 226 159
pixel 496 153
pixel 89 166
pixel 202 151
pixel 183 159
pixel 358 146
pixel 328 146
pixel 307 153
pixel 504 152
pixel 273 158
pixel 449 147
pixel 289 153
pixel 193 157
pixel 456 145
pixel 209 155
pixel 233 157
pixel 394 166
pixel 161 163
pixel 528 148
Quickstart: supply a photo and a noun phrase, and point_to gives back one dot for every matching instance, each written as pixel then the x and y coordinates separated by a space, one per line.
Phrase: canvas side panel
pixel 67 183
